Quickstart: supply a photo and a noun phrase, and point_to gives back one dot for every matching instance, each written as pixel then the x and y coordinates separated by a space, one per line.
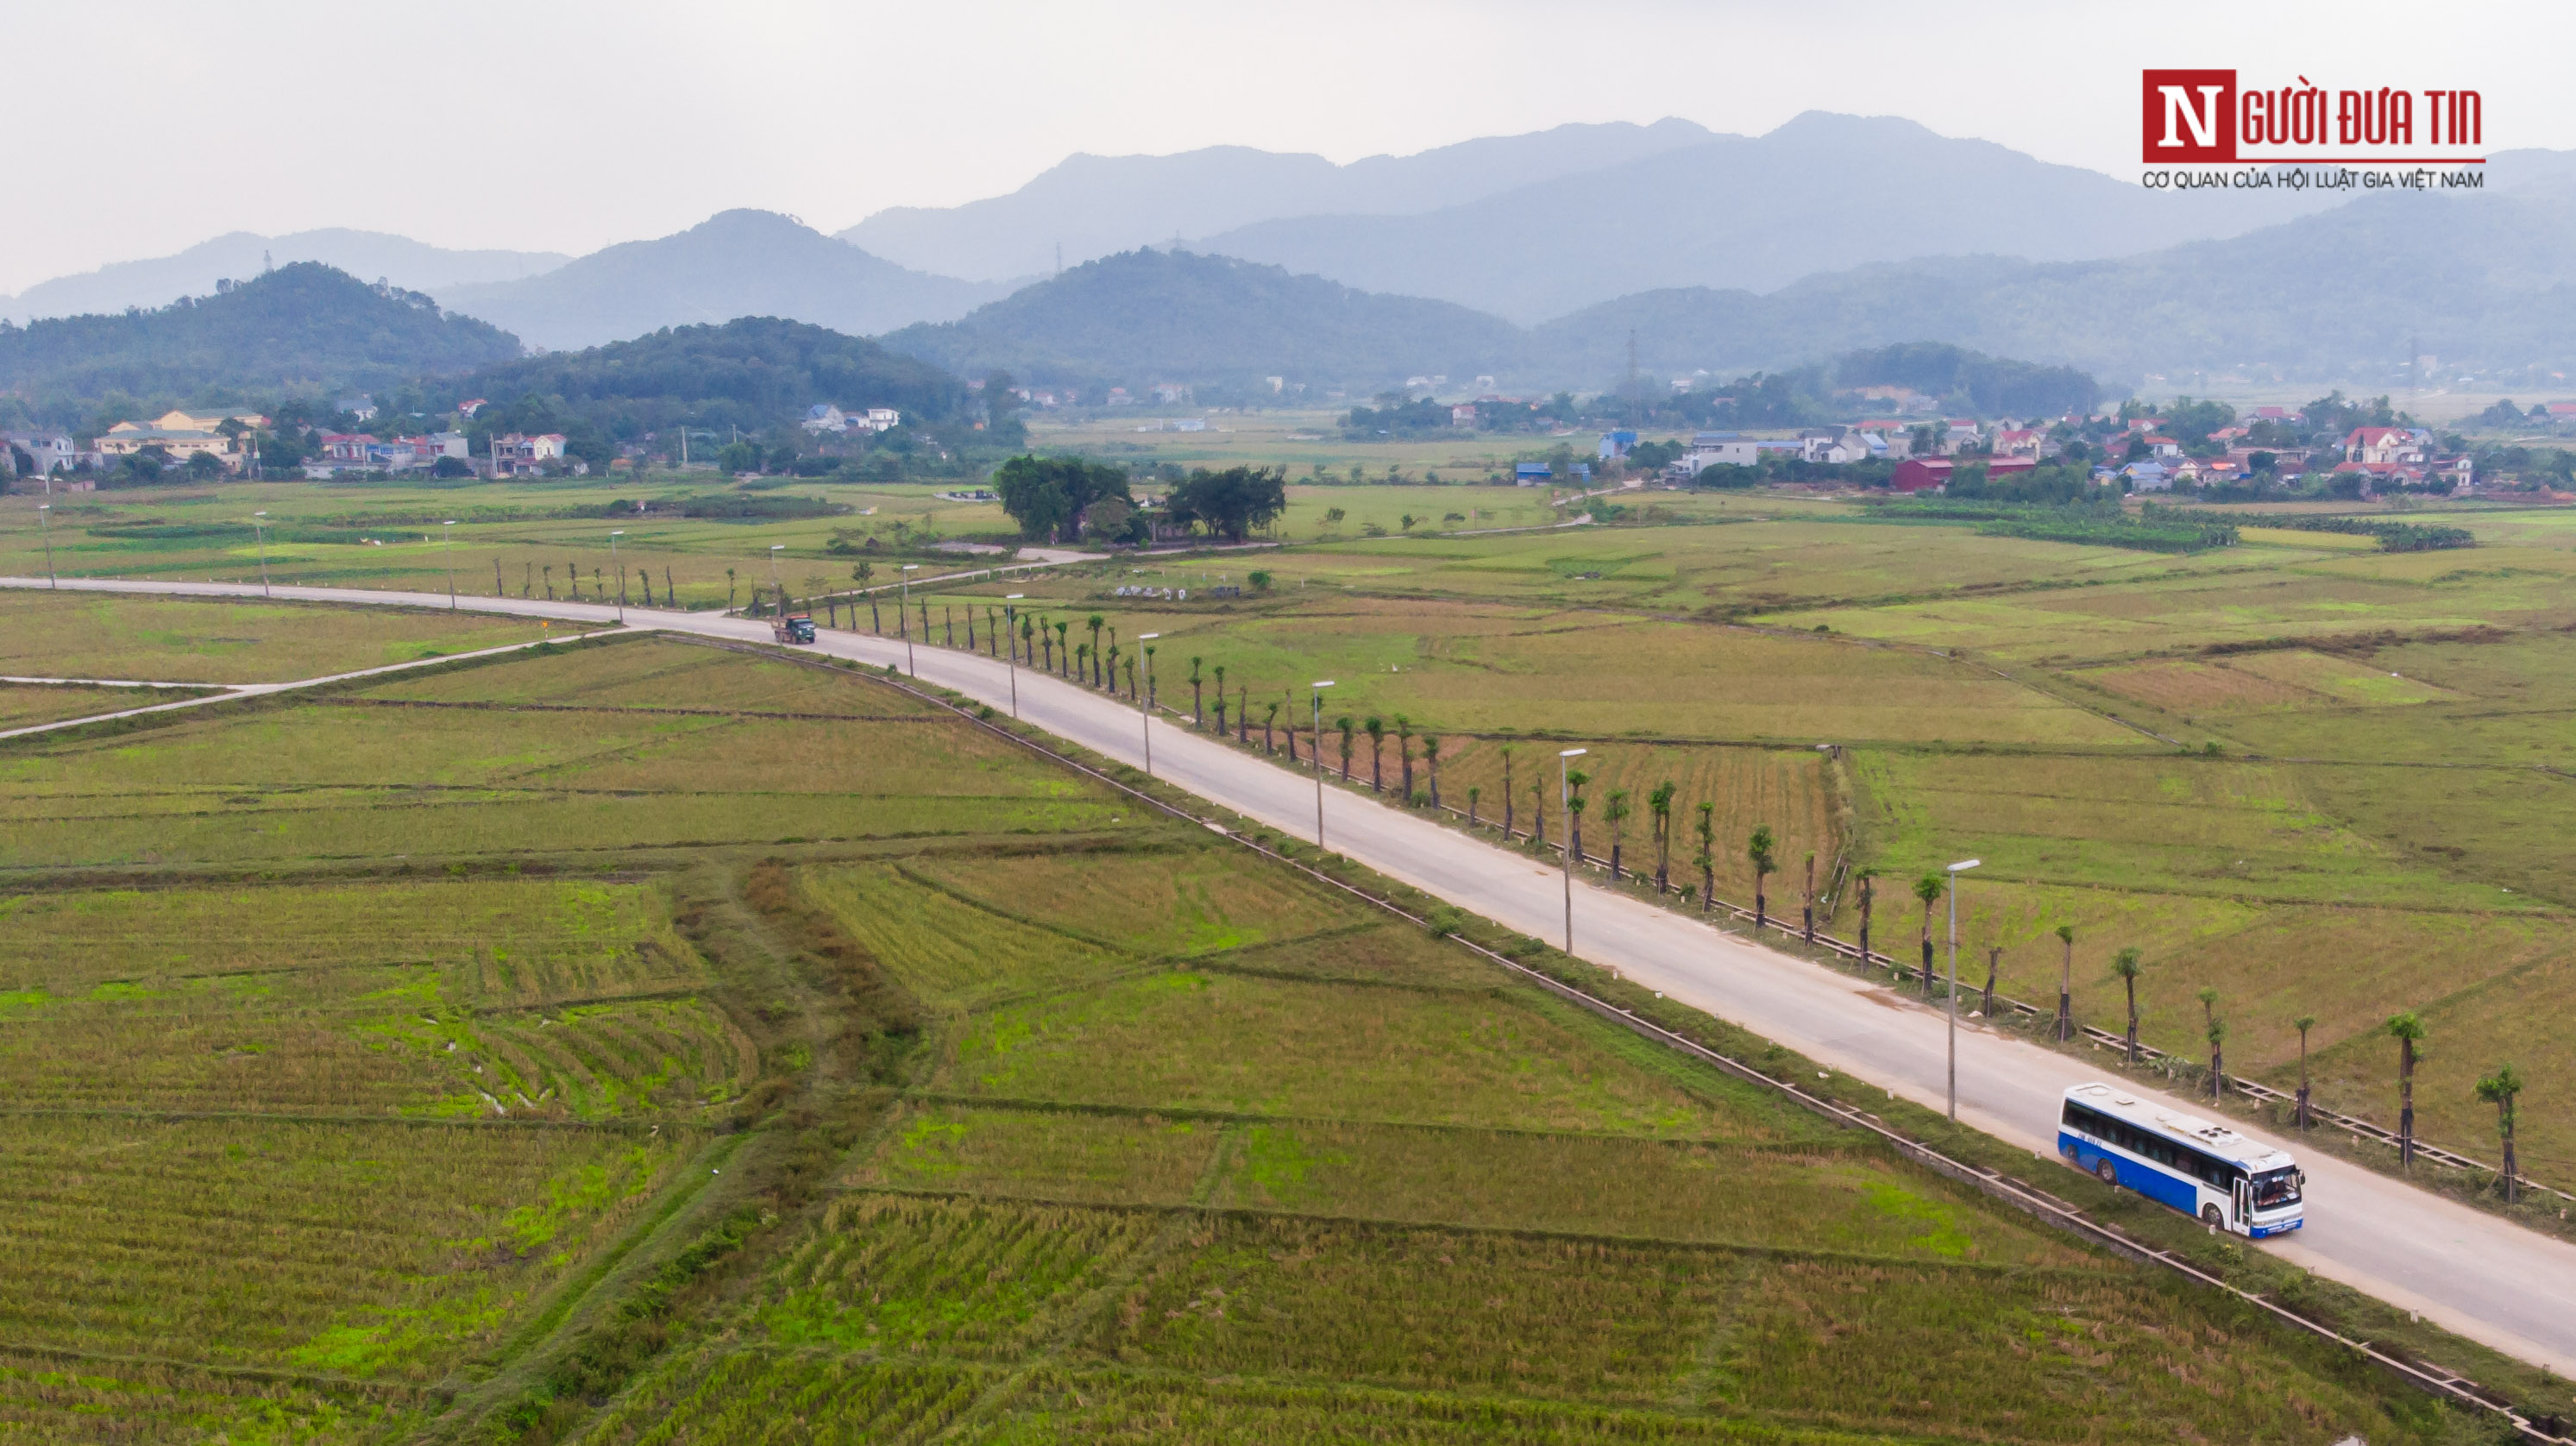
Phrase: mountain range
pixel 1537 257
pixel 736 263
pixel 1086 207
pixel 240 255
pixel 1146 315
pixel 2357 292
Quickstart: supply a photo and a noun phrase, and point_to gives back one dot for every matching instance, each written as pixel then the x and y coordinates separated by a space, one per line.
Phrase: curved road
pixel 2481 1277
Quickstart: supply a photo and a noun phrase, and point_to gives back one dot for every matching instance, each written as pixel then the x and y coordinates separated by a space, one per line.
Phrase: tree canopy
pixel 756 373
pixel 304 328
pixel 1231 503
pixel 1047 496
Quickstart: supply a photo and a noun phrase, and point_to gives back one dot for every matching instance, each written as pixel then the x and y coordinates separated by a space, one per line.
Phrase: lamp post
pixel 447 551
pixel 1564 805
pixel 45 525
pixel 1011 640
pixel 259 525
pixel 776 548
pixel 1144 716
pixel 909 569
pixel 1954 871
pixel 1318 757
pixel 620 569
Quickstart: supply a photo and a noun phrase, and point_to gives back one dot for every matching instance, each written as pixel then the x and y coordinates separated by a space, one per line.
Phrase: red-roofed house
pixel 2382 444
pixel 1931 474
pixel 2019 442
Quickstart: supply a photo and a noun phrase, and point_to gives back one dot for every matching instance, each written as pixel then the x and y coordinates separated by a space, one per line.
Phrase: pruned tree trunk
pixel 2406 1102
pixel 1994 961
pixel 2066 994
pixel 1808 929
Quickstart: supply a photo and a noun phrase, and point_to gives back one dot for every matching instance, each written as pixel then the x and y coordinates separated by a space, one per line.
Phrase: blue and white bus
pixel 2198 1168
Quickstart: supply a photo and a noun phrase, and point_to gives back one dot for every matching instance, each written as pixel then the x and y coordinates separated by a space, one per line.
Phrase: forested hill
pixel 756 372
pixel 1145 316
pixel 301 328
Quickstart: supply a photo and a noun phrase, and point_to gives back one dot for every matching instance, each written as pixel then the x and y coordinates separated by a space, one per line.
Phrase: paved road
pixel 2485 1279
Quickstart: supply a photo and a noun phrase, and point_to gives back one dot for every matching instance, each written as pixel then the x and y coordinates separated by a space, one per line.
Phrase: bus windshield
pixel 2276 1188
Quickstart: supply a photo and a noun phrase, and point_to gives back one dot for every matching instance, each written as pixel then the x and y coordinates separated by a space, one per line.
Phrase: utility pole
pixel 1954 871
pixel 1144 715
pixel 620 569
pixel 1010 637
pixel 447 550
pixel 1565 805
pixel 909 569
pixel 44 524
pixel 1318 752
pixel 259 524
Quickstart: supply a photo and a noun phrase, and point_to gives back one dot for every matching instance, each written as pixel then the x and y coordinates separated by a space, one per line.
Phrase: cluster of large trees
pixel 1061 499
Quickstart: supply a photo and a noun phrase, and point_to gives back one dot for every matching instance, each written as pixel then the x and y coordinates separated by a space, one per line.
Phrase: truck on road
pixel 794 628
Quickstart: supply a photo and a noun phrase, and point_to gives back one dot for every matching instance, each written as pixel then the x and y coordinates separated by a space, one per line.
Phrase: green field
pixel 2368 821
pixel 636 1041
pixel 185 640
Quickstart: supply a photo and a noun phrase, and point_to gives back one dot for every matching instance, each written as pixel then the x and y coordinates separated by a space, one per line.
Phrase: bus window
pixel 2276 1188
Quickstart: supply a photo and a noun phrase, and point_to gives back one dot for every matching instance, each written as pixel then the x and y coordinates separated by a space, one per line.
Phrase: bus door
pixel 2244 1192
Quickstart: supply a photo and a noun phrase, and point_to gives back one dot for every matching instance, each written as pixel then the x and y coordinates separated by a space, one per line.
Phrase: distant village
pixel 2140 455
pixel 2267 446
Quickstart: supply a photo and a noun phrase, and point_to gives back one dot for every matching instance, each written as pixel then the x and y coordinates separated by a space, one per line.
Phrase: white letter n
pixel 2203 122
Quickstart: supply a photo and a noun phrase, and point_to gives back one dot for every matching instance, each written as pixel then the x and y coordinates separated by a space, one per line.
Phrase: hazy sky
pixel 565 125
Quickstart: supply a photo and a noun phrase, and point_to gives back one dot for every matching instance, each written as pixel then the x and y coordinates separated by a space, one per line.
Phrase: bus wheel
pixel 2108 1172
pixel 2210 1217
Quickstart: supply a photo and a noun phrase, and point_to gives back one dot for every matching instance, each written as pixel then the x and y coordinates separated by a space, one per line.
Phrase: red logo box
pixel 2188 117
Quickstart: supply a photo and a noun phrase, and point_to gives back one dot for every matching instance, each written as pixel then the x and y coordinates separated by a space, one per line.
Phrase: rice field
pixel 1070 1156
pixel 1260 1045
pixel 489 941
pixel 953 953
pixel 83 1401
pixel 360 1252
pixel 358 1041
pixel 24 705
pixel 186 640
pixel 1458 668
pixel 658 673
pixel 336 781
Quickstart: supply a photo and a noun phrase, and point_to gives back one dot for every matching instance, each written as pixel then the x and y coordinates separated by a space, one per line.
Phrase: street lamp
pixel 447 550
pixel 1564 804
pixel 1954 871
pixel 909 569
pixel 620 569
pixel 1318 752
pixel 1144 718
pixel 776 548
pixel 259 525
pixel 45 525
pixel 1011 637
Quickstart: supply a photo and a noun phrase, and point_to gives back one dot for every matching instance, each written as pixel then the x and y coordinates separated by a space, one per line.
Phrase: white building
pixel 47 452
pixel 1733 452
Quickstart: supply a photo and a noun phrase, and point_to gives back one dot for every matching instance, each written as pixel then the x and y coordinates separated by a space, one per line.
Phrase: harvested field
pixel 361 1251
pixel 1071 1156
pixel 1272 1046
pixel 187 640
